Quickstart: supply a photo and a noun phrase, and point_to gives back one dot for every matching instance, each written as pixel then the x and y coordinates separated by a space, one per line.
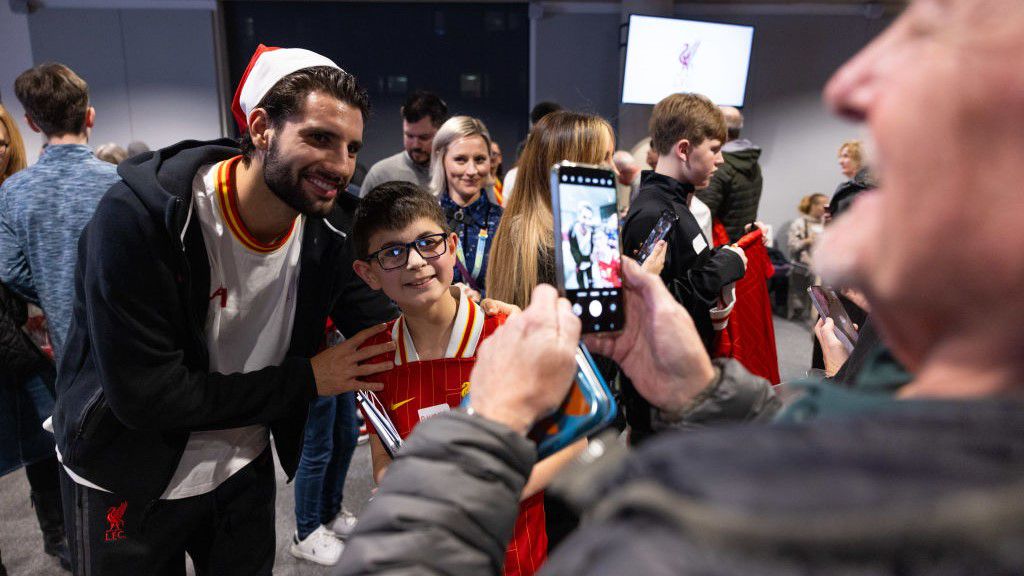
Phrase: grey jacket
pixel 449 501
pixel 922 488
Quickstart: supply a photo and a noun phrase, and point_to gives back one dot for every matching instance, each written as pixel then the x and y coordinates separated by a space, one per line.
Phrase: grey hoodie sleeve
pixel 447 504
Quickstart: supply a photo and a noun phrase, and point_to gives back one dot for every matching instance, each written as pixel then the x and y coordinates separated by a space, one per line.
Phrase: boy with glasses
pixel 404 248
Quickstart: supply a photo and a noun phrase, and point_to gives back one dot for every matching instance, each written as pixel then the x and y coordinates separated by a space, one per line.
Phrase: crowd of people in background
pixel 205 297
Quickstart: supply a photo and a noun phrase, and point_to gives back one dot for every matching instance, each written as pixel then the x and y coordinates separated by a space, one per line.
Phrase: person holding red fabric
pixel 749 332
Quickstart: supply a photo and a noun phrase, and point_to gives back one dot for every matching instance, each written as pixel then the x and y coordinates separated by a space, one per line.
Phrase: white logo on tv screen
pixel 666 55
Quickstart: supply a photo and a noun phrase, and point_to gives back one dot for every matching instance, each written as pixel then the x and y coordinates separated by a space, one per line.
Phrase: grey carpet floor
pixel 21 543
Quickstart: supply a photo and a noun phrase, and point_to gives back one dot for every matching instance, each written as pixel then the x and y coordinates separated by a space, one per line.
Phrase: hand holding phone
pixel 587 253
pixel 659 232
pixel 827 303
pixel 587 408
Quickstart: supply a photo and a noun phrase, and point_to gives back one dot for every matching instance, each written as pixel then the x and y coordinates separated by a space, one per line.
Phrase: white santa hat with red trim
pixel 266 68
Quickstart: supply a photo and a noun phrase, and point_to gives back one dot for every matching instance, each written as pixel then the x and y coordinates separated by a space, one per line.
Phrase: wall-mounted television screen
pixel 668 55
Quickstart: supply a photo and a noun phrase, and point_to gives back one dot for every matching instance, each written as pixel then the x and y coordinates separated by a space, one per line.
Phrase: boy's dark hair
pixel 54 97
pixel 288 97
pixel 421 104
pixel 393 206
pixel 542 109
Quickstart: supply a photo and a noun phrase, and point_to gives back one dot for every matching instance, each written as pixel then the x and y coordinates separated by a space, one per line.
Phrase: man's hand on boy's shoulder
pixel 338 369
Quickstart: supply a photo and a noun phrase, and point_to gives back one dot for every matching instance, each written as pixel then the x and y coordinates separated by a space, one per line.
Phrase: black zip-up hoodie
pixel 134 379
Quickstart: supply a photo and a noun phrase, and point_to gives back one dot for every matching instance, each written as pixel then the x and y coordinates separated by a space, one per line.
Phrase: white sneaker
pixel 320 546
pixel 343 524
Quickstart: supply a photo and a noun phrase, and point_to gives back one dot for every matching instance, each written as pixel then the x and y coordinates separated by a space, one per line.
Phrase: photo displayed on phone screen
pixel 588 255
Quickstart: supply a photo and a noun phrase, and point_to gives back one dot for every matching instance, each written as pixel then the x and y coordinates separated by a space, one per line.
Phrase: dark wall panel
pixel 474 55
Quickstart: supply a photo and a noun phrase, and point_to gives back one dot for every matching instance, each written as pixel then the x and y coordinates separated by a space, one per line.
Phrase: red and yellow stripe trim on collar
pixel 399 336
pixel 227 199
pixel 466 334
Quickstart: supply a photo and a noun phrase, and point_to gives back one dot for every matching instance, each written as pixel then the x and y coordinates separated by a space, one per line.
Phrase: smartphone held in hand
pixel 588 408
pixel 660 232
pixel 587 252
pixel 827 303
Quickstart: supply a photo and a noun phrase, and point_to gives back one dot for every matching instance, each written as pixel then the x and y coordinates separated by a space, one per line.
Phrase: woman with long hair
pixel 524 250
pixel 12 148
pixel 460 173
pixel 524 247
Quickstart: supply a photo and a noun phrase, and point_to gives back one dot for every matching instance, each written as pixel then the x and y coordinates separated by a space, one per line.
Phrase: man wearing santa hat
pixel 203 285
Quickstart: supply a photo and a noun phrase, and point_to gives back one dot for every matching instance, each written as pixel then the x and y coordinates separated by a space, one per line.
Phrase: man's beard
pixel 278 176
pixel 420 153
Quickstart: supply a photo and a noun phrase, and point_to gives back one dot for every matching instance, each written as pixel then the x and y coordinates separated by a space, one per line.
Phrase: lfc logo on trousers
pixel 115 516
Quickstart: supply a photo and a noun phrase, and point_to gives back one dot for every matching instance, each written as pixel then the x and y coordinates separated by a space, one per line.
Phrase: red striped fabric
pixel 413 386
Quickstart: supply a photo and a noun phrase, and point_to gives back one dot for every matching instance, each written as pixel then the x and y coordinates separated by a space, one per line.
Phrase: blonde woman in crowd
pixel 460 173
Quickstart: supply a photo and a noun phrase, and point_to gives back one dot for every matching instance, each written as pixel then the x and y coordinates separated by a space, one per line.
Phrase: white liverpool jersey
pixel 253 288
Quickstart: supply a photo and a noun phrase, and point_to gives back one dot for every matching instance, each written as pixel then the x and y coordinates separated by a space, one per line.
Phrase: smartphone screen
pixel 827 303
pixel 587 255
pixel 660 231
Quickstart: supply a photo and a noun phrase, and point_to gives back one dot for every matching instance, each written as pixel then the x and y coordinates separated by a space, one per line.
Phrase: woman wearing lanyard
pixel 460 173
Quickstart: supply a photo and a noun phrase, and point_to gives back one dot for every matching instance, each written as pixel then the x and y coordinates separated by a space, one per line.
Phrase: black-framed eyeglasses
pixel 397 256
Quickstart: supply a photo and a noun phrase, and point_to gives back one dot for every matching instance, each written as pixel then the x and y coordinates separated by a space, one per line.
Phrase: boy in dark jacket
pixel 687 131
pixel 202 288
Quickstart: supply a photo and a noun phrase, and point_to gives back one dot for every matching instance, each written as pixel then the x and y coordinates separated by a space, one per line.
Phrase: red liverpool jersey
pixel 416 389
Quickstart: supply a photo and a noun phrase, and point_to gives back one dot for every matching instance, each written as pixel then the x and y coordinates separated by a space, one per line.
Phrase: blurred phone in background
pixel 660 232
pixel 827 303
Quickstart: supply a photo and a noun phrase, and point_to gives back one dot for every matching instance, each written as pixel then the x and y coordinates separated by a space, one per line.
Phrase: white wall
pixel 151 72
pixel 793 56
